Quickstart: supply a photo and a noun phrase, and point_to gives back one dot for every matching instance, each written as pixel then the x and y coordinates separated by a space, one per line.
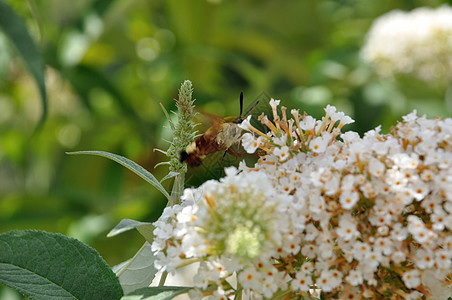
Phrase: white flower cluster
pixel 417 42
pixel 355 217
pixel 230 226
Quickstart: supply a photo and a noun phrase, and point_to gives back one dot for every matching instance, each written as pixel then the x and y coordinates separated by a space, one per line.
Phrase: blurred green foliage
pixel 110 63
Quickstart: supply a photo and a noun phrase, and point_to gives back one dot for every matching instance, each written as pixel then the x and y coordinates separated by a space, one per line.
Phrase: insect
pixel 221 136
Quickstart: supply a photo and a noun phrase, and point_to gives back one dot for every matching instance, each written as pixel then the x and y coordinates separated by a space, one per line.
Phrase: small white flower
pixel 373 259
pixel 398 232
pixel 439 219
pixel 330 110
pixel 443 258
pixel 190 197
pixel 326 282
pixel 269 285
pixel 345 120
pixel 361 250
pixel 412 279
pixel 376 167
pixel 194 245
pixel 250 143
pixel 308 123
pixel 319 144
pixel 282 153
pixel 245 125
pixel 398 257
pixel 348 199
pixel 188 214
pixel 250 278
pixel 311 232
pixel 383 245
pixel 302 281
pixel 307 267
pixel 417 228
pixel 274 103
pixel 424 259
pixel 354 277
pixel 347 227
pixel 309 250
pixel 350 137
pixel 410 117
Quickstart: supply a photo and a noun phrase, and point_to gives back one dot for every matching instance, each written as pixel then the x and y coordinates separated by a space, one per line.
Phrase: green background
pixel 110 63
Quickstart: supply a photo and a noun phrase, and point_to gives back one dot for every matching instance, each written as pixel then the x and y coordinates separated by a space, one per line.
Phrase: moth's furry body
pixel 221 136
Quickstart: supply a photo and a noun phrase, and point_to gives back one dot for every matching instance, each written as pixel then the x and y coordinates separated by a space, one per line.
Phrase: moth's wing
pixel 213 166
pixel 210 118
pixel 204 121
pixel 210 168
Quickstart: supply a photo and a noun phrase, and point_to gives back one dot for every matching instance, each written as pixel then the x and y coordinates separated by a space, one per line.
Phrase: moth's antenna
pixel 241 103
pixel 252 107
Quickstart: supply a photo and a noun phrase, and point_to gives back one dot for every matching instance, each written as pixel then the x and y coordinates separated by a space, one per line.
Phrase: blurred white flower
pixel 417 42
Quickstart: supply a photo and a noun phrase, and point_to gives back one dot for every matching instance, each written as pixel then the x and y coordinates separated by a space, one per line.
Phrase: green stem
pixel 238 292
pixel 163 278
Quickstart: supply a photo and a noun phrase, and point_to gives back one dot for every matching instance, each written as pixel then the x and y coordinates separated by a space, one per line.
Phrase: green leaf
pixel 173 127
pixel 147 232
pixel 146 229
pixel 45 266
pixel 156 293
pixel 14 27
pixel 137 272
pixel 169 175
pixel 132 166
pixel 178 189
pixel 86 78
pixel 126 225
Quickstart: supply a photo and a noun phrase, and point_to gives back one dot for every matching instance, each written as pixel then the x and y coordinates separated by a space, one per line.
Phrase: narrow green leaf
pixel 144 228
pixel 147 232
pixel 132 166
pixel 178 189
pixel 173 127
pixel 156 293
pixel 45 266
pixel 126 225
pixel 15 29
pixel 169 175
pixel 137 272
